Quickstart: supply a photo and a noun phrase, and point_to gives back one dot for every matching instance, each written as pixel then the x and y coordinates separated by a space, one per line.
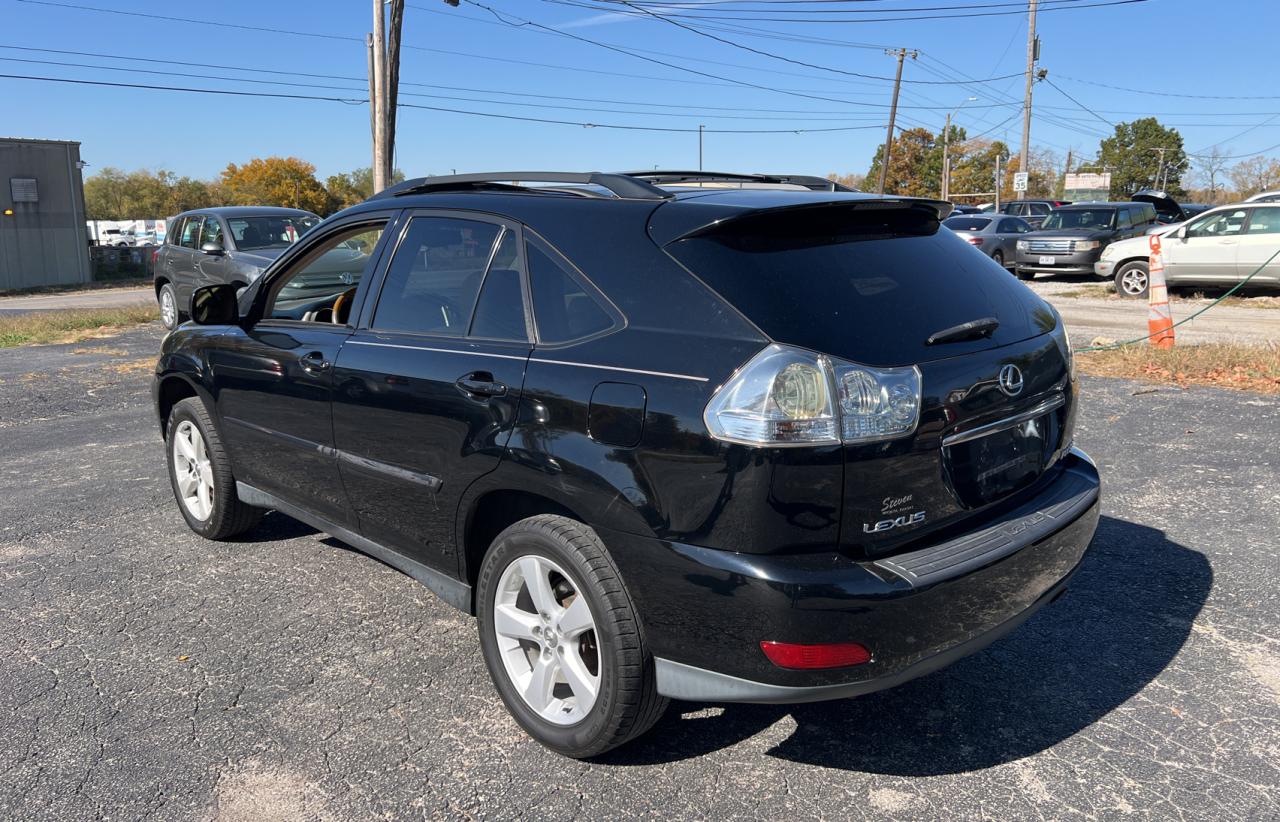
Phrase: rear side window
pixel 1010 226
pixel 1040 209
pixel 499 311
pixel 1264 221
pixel 190 233
pixel 564 309
pixel 435 276
pixel 1124 218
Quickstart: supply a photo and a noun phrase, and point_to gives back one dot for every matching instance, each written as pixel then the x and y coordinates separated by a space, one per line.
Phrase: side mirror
pixel 212 249
pixel 1182 233
pixel 215 305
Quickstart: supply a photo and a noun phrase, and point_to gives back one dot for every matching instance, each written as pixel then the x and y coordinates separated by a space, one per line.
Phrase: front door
pixel 1207 253
pixel 212 268
pixel 427 387
pixel 275 379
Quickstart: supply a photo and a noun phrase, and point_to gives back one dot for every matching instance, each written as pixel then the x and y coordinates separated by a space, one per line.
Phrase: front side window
pixel 322 287
pixel 191 233
pixel 435 276
pixel 212 231
pixel 563 308
pixel 1090 218
pixel 499 313
pixel 1221 224
pixel 269 231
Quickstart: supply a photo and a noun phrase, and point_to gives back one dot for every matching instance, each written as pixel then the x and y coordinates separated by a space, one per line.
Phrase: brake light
pixel 812 657
pixel 155 255
pixel 974 240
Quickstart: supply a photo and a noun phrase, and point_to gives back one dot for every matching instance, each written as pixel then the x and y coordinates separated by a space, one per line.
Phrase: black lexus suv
pixel 713 438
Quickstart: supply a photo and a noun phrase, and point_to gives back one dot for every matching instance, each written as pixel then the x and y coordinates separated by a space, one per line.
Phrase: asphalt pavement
pixel 147 673
pixel 94 298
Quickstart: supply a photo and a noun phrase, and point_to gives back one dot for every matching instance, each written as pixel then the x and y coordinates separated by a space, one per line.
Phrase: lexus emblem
pixel 1010 380
pixel 346 278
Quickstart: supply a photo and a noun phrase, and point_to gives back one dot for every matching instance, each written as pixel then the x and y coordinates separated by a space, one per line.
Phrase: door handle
pixel 1226 242
pixel 481 384
pixel 314 363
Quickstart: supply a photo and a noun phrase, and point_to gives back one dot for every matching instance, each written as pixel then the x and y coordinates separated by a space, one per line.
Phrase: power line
pixel 1082 106
pixel 171 19
pixel 837 21
pixel 352 101
pixel 1169 93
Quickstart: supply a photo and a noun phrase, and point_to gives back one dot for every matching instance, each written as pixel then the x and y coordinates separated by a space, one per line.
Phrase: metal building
pixel 43 240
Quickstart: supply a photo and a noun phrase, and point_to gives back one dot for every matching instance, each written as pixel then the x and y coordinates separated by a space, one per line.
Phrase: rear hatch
pixel 872 281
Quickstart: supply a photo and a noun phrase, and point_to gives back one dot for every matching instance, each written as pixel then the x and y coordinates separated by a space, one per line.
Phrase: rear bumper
pixel 706 611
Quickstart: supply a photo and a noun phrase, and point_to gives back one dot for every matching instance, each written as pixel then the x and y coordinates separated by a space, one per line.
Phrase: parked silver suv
pixel 221 245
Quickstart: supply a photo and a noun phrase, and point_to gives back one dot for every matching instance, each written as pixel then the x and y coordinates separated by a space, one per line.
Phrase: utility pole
pixel 1062 189
pixel 700 129
pixel 379 101
pixel 946 150
pixel 1033 52
pixel 999 183
pixel 885 155
pixel 384 86
pixel 1160 170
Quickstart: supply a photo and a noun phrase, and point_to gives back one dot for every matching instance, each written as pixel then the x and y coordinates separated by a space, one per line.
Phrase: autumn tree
pixel 1254 175
pixel 973 166
pixel 852 180
pixel 1132 155
pixel 276 181
pixel 915 166
pixel 1042 180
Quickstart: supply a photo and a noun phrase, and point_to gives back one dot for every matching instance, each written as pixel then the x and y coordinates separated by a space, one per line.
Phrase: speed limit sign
pixel 1020 181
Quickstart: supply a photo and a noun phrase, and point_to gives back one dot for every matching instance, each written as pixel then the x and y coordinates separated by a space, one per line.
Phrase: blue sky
pixel 1180 47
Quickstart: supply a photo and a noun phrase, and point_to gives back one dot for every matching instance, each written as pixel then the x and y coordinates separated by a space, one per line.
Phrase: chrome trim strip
pixel 384 469
pixel 1052 404
pixel 437 350
pixel 619 368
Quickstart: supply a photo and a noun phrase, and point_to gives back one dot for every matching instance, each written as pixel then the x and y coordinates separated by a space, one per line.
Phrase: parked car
pixel 119 238
pixel 628 427
pixel 960 208
pixel 221 245
pixel 1219 248
pixel 1072 237
pixel 1033 211
pixel 1265 197
pixel 992 234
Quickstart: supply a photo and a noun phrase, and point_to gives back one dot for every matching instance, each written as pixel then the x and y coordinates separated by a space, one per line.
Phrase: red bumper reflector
pixel 809 657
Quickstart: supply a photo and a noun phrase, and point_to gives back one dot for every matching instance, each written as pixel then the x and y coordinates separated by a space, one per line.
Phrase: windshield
pixel 269 231
pixel 1081 218
pixel 967 223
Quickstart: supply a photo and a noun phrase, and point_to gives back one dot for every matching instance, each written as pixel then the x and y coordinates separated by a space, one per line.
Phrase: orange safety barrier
pixel 1159 318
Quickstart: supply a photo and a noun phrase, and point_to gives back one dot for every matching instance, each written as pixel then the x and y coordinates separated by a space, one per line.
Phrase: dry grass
pixel 73 325
pixel 1219 364
pixel 1094 291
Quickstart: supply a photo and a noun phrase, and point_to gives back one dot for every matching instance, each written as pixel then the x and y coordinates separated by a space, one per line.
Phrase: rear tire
pixel 200 475
pixel 567 562
pixel 1133 280
pixel 998 256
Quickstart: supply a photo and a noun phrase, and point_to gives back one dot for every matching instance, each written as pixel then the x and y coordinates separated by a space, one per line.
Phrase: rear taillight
pixel 792 396
pixel 812 657
pixel 155 255
pixel 974 240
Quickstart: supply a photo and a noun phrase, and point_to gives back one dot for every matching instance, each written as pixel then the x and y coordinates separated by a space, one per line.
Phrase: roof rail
pixel 622 185
pixel 815 183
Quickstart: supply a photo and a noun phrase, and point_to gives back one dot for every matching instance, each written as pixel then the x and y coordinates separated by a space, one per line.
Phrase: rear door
pixel 182 266
pixel 1208 252
pixel 426 389
pixel 1258 247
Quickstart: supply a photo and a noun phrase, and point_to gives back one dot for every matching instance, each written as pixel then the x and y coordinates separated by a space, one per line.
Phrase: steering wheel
pixel 342 307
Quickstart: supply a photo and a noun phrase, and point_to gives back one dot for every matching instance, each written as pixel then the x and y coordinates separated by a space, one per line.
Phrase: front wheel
pixel 200 474
pixel 561 638
pixel 1133 279
pixel 1024 274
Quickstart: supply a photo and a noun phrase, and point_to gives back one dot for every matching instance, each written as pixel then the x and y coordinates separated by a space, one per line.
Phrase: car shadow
pixel 276 526
pixel 1126 615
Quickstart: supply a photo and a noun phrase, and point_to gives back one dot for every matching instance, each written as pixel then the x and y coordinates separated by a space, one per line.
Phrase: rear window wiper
pixel 972 330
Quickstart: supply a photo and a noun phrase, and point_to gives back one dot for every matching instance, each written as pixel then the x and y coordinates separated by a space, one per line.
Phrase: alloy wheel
pixel 168 309
pixel 547 639
pixel 193 469
pixel 1134 282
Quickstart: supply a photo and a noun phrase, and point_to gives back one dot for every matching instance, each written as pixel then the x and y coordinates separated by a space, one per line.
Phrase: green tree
pixel 1132 156
pixel 915 168
pixel 276 181
pixel 353 187
pixel 973 166
pixel 112 194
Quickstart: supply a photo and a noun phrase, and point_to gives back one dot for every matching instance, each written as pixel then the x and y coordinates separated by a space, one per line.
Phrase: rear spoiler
pixel 712 223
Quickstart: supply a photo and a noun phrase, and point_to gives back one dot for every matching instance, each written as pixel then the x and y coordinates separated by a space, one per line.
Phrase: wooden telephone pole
pixel 885 155
pixel 384 86
pixel 1033 53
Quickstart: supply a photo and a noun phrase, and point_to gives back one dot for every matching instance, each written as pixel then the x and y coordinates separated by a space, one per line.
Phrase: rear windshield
pixel 967 223
pixel 866 284
pixel 1081 218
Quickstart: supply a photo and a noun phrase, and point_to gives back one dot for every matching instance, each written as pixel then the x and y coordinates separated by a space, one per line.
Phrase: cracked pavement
pixel 148 674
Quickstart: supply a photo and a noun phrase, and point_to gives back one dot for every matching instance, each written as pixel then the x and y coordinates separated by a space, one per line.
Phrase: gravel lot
pixel 147 673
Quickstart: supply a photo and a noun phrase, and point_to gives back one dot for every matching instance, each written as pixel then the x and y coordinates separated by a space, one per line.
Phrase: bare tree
pixel 1255 174
pixel 1209 168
